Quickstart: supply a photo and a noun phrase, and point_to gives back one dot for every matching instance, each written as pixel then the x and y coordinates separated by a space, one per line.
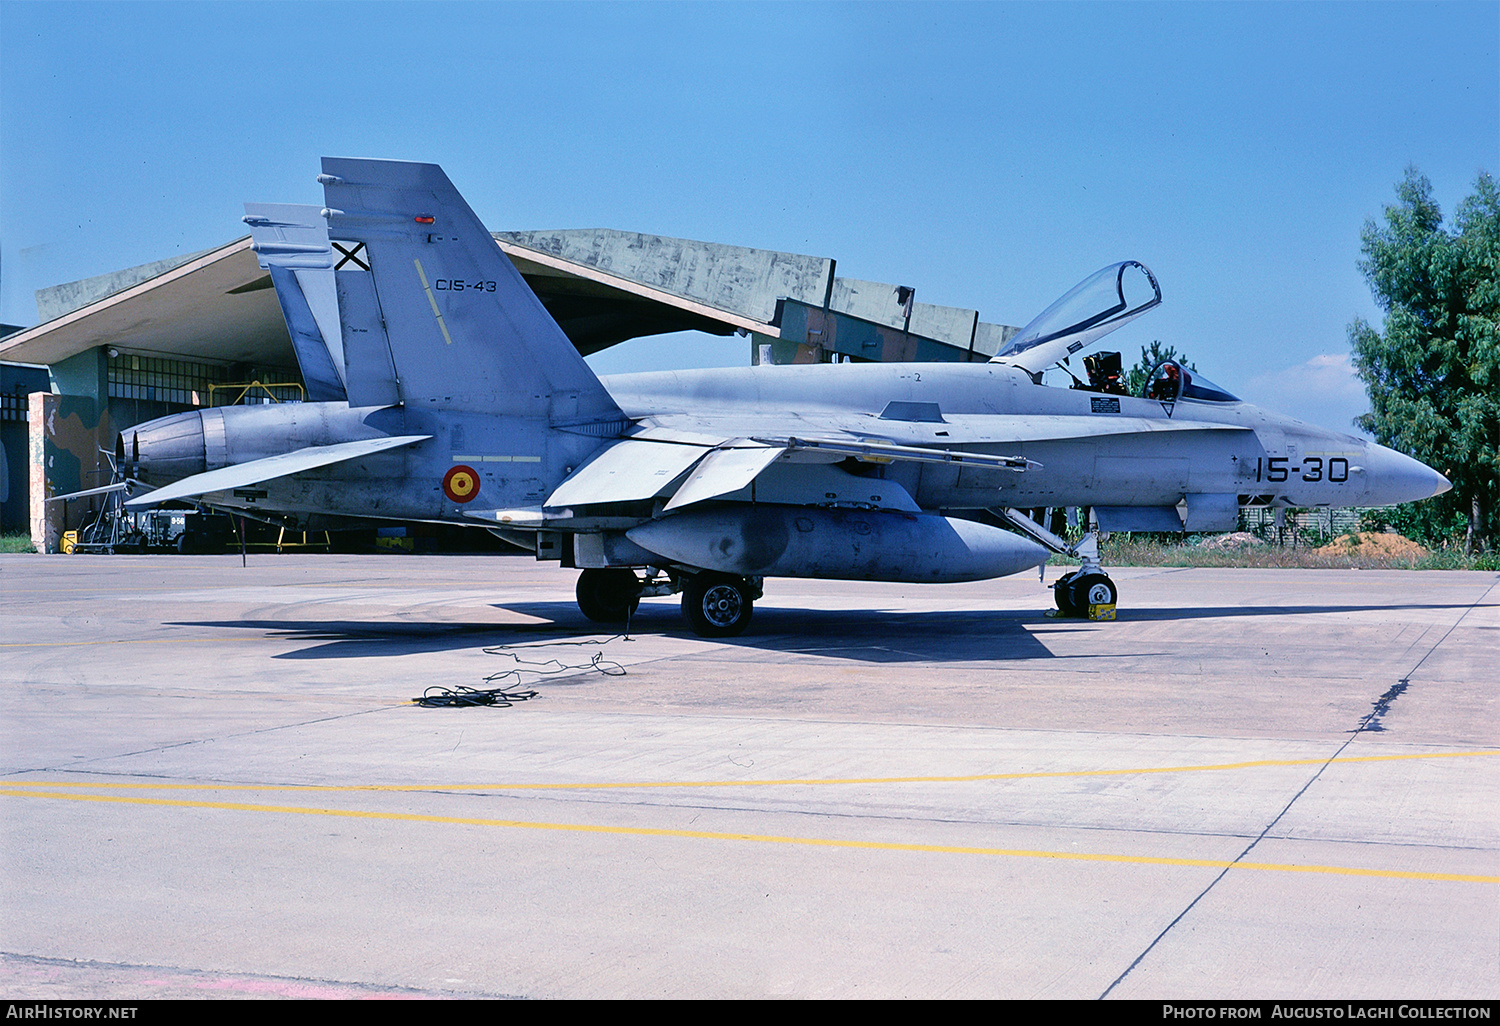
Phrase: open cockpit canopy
pixel 1105 300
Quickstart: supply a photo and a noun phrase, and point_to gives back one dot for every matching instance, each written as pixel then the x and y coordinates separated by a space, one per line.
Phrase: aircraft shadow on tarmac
pixel 873 635
pixel 870 634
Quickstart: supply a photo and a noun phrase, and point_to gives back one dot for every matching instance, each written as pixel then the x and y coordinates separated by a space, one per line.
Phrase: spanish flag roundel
pixel 461 483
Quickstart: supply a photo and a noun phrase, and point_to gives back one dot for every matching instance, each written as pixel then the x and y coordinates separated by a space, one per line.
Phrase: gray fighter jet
pixel 443 391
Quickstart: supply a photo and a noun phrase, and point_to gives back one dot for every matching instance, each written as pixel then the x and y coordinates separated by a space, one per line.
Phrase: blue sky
pixel 989 154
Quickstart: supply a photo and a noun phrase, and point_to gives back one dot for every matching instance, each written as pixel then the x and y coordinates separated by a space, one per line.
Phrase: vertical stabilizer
pixel 464 330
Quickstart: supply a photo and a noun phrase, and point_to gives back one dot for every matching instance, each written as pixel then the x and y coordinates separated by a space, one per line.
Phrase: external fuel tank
pixel 845 544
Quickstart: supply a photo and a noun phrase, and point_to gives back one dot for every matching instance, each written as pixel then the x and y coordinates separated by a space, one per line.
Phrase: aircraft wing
pixel 254 472
pixel 635 469
pixel 884 452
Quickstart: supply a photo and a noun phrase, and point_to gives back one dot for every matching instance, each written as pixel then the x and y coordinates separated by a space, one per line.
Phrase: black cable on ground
pixel 439 697
pixel 552 667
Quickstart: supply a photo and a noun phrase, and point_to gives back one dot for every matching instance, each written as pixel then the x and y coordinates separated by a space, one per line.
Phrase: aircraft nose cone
pixel 1421 480
pixel 1396 478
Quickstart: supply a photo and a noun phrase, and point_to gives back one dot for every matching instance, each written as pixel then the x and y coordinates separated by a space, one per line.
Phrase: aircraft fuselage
pixel 1092 449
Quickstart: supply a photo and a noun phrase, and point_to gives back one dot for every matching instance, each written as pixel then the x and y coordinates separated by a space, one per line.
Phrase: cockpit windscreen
pixel 1170 381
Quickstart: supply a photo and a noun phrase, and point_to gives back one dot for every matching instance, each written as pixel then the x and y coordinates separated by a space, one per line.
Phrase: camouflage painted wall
pixel 65 434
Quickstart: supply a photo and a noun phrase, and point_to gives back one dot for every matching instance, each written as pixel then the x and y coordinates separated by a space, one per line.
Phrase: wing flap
pixel 723 471
pixel 256 471
pixel 626 471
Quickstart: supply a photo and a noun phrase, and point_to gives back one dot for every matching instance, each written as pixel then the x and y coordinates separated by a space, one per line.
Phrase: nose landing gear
pixel 1087 592
pixel 1079 591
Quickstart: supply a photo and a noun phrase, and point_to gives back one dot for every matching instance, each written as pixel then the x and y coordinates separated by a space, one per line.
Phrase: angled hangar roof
pixel 602 286
pixel 208 305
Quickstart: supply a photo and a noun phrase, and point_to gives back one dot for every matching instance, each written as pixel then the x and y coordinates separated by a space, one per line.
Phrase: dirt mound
pixel 1371 543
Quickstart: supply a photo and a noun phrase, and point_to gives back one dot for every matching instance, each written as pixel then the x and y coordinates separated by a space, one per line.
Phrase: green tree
pixel 1151 356
pixel 1433 374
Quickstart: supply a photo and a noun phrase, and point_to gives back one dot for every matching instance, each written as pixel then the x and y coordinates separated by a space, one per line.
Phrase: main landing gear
pixel 608 596
pixel 1086 589
pixel 717 605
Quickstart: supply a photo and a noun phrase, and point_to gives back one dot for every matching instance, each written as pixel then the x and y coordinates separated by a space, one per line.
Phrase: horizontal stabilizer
pixel 242 474
pixel 103 490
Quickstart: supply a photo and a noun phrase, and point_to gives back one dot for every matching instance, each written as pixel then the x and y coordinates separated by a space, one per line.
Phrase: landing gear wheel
pixel 1077 591
pixel 1062 591
pixel 608 596
pixel 717 605
pixel 1092 590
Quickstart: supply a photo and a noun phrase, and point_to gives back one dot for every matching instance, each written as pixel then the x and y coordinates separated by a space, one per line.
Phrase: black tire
pixel 1062 591
pixel 608 596
pixel 1092 590
pixel 717 605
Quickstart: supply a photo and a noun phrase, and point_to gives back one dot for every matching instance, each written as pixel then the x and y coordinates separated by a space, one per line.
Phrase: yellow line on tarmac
pixel 783 782
pixel 819 842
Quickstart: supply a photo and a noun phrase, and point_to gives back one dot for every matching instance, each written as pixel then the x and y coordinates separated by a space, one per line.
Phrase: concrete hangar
pixel 205 329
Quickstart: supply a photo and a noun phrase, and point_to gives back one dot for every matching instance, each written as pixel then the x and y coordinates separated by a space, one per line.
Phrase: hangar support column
pixel 67 428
